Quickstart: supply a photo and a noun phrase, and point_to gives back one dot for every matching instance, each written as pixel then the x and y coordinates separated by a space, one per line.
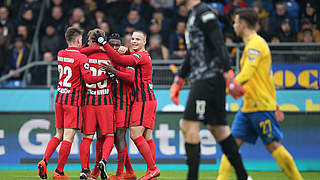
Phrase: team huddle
pixel 103 89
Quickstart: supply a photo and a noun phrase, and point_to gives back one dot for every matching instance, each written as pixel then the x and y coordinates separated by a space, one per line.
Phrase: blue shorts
pixel 248 126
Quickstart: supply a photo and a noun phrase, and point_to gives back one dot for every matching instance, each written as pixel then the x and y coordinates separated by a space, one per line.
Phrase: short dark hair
pixel 142 32
pixel 114 36
pixel 72 33
pixel 248 15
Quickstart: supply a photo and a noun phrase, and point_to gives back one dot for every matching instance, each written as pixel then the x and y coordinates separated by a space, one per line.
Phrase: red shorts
pixel 122 117
pixel 67 116
pixel 143 114
pixel 98 116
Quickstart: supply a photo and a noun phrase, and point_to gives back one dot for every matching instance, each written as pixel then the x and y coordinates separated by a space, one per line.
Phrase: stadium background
pixel 26 105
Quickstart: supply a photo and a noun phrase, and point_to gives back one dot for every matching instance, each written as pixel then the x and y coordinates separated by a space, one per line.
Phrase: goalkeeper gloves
pixel 235 89
pixel 175 89
pixel 99 38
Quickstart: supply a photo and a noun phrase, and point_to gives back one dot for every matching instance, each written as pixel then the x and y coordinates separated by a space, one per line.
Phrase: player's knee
pixel 273 146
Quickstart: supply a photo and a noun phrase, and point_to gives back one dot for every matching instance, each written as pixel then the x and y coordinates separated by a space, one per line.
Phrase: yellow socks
pixel 286 163
pixel 225 169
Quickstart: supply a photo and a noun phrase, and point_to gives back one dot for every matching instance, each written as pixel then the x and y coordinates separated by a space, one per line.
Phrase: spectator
pixel 51 41
pixel 182 15
pixel 57 19
pixel 7 24
pixel 89 7
pixel 29 20
pixel 307 25
pixel 263 15
pixel 22 30
pixel 16 58
pixel 286 32
pixel 156 49
pixel 142 7
pixel 39 75
pixel 132 22
pixel 165 6
pixel 280 15
pixel 105 27
pixel 163 24
pixel 177 43
pixel 29 4
pixel 78 16
pixel 310 12
pixel 309 52
pixel 277 55
pixel 229 39
pixel 115 10
pixel 232 5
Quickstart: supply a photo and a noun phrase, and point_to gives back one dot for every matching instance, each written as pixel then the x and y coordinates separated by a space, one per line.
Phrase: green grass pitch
pixel 165 175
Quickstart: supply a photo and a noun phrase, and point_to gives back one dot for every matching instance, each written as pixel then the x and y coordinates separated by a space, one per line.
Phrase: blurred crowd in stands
pixel 165 23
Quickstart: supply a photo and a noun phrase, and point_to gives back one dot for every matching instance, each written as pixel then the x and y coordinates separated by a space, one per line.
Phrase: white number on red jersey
pixel 64 70
pixel 100 85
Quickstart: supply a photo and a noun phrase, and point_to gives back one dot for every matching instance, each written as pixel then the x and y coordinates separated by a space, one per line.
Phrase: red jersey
pixel 98 93
pixel 143 88
pixel 74 71
pixel 122 90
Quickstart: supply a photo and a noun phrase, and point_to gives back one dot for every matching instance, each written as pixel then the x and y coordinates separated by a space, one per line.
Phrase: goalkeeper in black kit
pixel 207 67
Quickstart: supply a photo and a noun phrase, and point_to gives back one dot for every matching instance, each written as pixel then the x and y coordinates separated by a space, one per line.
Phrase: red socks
pixel 51 147
pixel 122 155
pixel 85 152
pixel 128 163
pixel 107 147
pixel 99 146
pixel 145 151
pixel 63 155
pixel 152 149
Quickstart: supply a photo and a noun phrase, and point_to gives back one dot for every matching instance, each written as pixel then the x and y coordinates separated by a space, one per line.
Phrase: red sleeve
pixel 127 75
pixel 124 60
pixel 89 50
pixel 85 71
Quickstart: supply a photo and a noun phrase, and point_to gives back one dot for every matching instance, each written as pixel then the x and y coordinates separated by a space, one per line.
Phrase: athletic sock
pixel 145 151
pixel 85 152
pixel 225 169
pixel 286 163
pixel 231 150
pixel 152 149
pixel 122 155
pixel 193 160
pixel 63 155
pixel 127 163
pixel 51 147
pixel 99 146
pixel 107 147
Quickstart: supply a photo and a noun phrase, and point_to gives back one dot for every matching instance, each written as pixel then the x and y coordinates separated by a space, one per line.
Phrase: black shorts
pixel 206 101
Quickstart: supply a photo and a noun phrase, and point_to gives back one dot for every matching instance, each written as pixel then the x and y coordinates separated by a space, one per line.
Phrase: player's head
pixel 245 19
pixel 91 41
pixel 73 37
pixel 138 40
pixel 115 41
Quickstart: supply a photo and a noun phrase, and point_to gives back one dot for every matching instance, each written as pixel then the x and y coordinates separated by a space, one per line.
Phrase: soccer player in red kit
pixel 98 110
pixel 74 72
pixel 122 106
pixel 142 116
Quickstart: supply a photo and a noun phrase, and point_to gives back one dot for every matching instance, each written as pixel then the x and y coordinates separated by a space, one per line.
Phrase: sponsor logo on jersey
pixel 64 90
pixel 208 16
pixel 254 52
pixel 86 66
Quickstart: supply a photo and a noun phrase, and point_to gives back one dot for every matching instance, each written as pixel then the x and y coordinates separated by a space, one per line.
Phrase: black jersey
pixel 207 54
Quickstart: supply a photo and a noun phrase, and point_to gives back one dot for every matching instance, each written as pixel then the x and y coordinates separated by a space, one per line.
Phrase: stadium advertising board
pixel 297 76
pixel 24 136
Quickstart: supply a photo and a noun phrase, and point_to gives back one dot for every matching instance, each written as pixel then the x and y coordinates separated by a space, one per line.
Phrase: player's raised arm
pixel 125 60
pixel 127 75
pixel 85 71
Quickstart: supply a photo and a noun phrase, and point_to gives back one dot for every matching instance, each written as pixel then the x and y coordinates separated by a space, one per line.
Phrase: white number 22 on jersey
pixel 65 70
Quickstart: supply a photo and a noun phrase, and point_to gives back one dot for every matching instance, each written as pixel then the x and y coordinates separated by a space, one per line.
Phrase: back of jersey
pixel 99 93
pixel 71 87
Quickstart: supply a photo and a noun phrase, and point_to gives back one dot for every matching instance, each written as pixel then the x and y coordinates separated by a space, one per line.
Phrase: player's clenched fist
pixel 175 89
